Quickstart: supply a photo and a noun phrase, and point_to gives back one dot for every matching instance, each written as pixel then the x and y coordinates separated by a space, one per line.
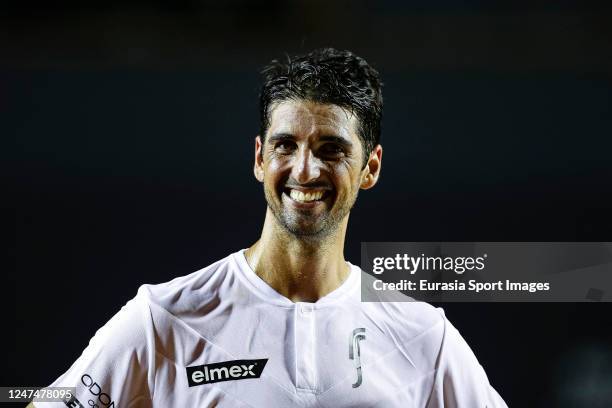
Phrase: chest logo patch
pixel 225 371
pixel 355 352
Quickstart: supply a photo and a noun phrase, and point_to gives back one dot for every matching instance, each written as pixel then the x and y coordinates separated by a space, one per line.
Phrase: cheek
pixel 345 177
pixel 274 172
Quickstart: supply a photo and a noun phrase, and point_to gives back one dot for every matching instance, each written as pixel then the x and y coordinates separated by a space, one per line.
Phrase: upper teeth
pixel 305 197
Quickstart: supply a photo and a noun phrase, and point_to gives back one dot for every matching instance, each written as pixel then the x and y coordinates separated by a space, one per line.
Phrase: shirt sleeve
pixel 116 368
pixel 460 381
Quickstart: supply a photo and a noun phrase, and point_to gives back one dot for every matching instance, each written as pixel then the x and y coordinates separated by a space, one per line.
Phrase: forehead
pixel 305 118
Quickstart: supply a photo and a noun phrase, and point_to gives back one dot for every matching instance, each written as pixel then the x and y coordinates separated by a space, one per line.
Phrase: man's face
pixel 311 166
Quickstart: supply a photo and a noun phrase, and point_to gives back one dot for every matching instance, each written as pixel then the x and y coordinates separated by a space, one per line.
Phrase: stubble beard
pixel 291 221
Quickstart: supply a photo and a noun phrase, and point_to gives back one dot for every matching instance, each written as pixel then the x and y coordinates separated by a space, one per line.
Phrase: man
pixel 281 323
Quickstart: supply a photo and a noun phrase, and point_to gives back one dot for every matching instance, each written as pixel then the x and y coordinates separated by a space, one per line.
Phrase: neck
pixel 303 270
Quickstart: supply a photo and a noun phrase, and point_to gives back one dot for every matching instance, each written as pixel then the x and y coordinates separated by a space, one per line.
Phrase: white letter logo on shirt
pixel 355 352
pixel 225 371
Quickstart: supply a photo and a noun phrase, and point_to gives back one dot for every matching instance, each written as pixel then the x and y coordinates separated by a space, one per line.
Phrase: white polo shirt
pixel 221 337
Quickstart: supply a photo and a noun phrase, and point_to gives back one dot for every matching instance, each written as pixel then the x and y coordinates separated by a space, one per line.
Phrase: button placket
pixel 305 347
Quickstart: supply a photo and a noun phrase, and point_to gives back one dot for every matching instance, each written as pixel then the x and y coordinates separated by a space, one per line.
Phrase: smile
pixel 307 197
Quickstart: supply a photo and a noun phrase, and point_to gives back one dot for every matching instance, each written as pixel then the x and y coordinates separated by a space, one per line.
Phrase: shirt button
pixel 305 309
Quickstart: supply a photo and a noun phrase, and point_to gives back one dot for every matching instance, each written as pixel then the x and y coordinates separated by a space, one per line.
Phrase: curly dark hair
pixel 327 75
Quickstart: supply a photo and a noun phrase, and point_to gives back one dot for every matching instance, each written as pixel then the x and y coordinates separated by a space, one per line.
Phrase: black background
pixel 132 130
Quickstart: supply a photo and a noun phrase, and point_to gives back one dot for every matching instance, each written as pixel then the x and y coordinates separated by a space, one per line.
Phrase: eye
pixel 332 149
pixel 285 146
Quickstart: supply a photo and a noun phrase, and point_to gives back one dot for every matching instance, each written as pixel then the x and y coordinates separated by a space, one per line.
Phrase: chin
pixel 311 231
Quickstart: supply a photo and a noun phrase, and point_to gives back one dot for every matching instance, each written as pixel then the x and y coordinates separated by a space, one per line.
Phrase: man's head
pixel 326 76
pixel 319 141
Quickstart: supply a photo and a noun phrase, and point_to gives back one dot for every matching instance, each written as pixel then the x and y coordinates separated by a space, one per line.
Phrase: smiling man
pixel 312 165
pixel 281 323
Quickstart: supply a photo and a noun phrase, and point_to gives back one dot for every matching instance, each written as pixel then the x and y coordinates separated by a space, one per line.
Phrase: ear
pixel 258 166
pixel 371 172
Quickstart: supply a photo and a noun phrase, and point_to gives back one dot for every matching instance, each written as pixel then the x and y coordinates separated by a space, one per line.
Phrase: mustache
pixel 321 185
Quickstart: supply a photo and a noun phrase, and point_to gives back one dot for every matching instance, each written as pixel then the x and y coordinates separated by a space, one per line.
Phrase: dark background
pixel 131 128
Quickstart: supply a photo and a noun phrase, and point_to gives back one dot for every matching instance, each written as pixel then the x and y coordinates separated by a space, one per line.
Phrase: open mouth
pixel 306 196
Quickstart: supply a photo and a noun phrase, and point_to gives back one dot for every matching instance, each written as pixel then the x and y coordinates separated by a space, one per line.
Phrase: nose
pixel 306 167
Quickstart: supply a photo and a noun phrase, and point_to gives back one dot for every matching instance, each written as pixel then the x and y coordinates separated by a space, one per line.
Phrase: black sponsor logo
pixel 225 371
pixel 102 400
pixel 73 402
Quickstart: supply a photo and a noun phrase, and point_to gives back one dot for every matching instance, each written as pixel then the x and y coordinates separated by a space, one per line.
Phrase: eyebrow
pixel 281 137
pixel 336 139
